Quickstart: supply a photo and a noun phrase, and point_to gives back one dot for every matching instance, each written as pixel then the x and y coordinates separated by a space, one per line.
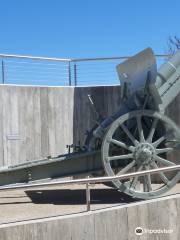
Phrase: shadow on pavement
pixel 68 196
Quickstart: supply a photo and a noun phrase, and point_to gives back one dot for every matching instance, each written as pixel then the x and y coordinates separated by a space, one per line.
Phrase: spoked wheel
pixel 142 140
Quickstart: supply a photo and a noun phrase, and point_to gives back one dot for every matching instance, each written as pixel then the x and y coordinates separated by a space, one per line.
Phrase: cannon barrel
pixel 168 81
pixel 167 69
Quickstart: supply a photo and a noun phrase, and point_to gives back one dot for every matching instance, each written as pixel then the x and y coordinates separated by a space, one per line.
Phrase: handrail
pixel 71 60
pixel 112 58
pixel 35 58
pixel 91 180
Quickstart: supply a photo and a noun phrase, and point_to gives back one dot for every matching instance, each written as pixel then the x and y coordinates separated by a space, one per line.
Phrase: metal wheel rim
pixel 124 187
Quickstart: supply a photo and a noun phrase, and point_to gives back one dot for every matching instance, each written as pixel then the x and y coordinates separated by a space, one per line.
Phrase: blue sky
pixel 83 28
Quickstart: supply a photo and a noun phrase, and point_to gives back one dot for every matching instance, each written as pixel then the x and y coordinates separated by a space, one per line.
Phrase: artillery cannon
pixel 137 137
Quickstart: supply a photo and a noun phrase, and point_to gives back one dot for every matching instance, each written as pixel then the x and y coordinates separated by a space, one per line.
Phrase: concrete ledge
pixel 160 215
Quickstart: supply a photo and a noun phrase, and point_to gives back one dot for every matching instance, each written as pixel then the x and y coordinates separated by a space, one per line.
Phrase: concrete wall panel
pixel 155 217
pixel 36 122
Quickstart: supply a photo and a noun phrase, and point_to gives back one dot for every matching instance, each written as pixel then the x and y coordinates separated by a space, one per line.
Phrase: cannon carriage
pixel 137 137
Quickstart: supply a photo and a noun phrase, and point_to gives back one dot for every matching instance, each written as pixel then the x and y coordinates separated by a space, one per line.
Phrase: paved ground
pixel 21 205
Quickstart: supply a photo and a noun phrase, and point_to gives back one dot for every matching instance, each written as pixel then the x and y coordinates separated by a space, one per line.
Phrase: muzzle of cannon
pixel 137 137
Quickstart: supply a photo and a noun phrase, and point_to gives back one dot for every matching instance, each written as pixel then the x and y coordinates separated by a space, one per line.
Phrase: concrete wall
pixel 39 121
pixel 118 223
pixel 36 116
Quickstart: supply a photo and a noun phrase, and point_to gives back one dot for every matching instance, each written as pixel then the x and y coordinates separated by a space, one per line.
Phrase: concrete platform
pixel 24 205
pixel 54 214
pixel 20 205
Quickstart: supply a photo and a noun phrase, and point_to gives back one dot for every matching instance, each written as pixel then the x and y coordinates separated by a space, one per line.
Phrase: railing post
pixel 88 196
pixel 3 76
pixel 69 73
pixel 75 74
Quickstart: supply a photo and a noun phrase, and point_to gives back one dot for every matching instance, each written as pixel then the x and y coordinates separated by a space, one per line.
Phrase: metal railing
pixel 29 70
pixel 88 181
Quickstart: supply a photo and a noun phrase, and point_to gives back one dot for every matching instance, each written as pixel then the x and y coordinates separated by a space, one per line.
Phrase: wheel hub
pixel 144 153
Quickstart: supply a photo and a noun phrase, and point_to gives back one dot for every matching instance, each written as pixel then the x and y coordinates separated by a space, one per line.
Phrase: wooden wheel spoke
pixel 161 174
pixel 160 140
pixel 164 150
pixel 164 161
pixel 127 168
pixel 140 129
pixel 152 130
pixel 126 156
pixel 128 133
pixel 135 179
pixel 121 144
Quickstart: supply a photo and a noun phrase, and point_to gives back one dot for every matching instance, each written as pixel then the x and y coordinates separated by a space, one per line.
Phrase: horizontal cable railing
pixel 35 72
pixel 28 70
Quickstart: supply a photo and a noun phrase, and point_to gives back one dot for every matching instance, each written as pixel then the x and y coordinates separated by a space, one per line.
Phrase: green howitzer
pixel 137 137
